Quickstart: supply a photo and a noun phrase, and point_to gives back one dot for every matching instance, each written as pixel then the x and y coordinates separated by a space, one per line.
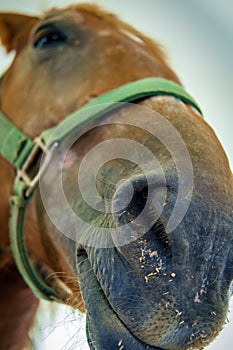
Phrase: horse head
pixel 148 284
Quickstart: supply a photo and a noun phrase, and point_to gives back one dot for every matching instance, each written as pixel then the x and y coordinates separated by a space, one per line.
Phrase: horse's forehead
pixel 69 12
pixel 73 13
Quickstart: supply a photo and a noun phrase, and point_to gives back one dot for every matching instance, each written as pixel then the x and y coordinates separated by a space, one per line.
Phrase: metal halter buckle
pixel 32 169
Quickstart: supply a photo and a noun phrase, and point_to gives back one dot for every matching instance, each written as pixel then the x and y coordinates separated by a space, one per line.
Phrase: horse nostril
pixel 140 208
pixel 137 205
pixel 140 193
pixel 130 197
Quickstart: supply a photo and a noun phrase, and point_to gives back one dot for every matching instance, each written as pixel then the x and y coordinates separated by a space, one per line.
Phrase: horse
pixel 153 288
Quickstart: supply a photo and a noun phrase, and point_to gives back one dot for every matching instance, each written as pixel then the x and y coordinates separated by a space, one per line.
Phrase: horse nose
pixel 141 209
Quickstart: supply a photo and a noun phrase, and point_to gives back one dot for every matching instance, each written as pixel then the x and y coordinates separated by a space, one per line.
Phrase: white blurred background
pixel 198 37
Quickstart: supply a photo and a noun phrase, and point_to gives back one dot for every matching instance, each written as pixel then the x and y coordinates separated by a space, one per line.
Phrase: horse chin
pixel 104 328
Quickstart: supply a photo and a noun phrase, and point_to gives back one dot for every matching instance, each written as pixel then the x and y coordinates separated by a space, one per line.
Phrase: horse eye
pixel 48 37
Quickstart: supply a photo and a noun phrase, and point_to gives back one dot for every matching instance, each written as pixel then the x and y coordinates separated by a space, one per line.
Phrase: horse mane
pixel 152 46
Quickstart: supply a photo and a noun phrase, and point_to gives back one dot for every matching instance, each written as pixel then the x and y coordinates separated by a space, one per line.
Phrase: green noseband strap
pixel 16 146
pixel 21 151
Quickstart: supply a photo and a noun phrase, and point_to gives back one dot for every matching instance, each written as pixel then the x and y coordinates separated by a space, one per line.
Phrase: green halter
pixel 22 152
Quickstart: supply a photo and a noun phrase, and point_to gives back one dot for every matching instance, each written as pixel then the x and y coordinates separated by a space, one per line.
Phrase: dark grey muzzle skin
pixel 161 291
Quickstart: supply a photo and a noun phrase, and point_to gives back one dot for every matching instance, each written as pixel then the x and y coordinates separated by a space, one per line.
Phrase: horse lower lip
pixel 104 328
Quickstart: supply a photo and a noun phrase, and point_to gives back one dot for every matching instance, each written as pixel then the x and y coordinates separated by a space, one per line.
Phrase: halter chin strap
pixel 23 152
